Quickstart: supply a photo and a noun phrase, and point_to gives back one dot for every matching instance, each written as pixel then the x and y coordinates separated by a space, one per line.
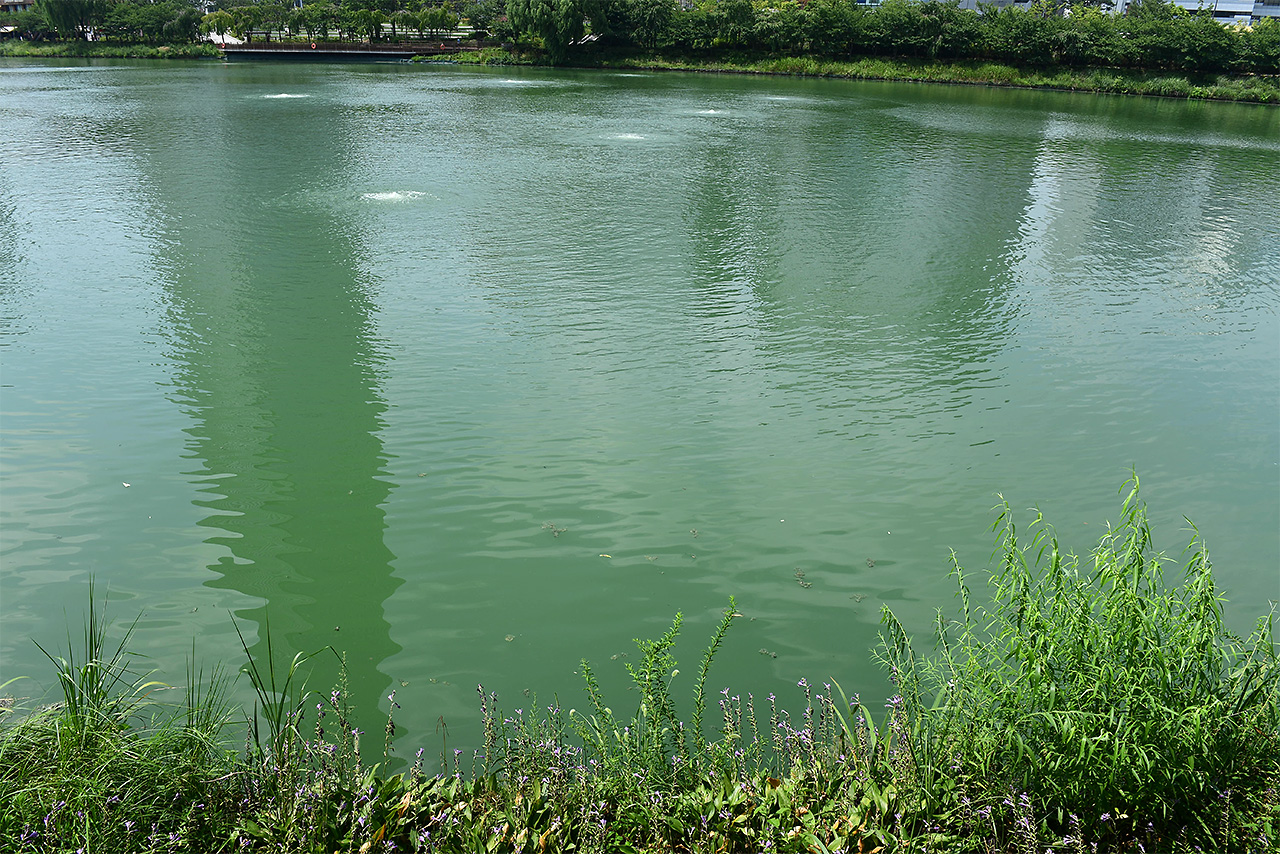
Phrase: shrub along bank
pixel 109 50
pixel 1071 705
pixel 1118 81
pixel 1152 34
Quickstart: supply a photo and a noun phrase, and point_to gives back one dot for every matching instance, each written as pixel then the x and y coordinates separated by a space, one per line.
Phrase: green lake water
pixel 473 373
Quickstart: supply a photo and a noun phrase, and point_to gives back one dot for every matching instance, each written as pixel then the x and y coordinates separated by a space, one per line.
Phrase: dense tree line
pixel 1151 34
pixel 136 21
pixel 365 19
pixel 177 21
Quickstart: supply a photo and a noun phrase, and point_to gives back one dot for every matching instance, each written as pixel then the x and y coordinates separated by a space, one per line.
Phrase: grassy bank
pixel 1072 704
pixel 1108 80
pixel 1120 81
pixel 108 50
pixel 1220 87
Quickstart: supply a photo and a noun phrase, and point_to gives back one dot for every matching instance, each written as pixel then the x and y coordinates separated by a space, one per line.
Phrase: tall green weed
pixel 1095 692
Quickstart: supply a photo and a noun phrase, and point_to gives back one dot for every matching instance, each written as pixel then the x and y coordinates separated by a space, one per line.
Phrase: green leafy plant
pixel 281 694
pixel 1097 693
pixel 654 742
pixel 99 687
pixel 111 766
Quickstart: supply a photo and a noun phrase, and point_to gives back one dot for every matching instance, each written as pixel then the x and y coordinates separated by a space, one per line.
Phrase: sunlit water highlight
pixel 397 196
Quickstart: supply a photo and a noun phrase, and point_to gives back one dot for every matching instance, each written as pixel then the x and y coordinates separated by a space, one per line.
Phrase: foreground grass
pixel 1083 706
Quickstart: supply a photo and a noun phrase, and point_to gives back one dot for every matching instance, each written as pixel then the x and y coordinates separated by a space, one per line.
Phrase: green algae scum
pixel 392 381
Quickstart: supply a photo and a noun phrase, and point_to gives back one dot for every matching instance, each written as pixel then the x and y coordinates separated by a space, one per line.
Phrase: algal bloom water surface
pixel 472 374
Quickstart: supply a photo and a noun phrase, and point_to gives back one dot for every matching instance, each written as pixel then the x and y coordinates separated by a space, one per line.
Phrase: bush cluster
pixel 1152 33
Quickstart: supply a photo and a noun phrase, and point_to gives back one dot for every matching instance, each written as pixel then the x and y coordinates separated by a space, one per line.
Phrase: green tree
pixel 1168 36
pixel 1020 36
pixel 651 21
pixel 609 19
pixel 1260 47
pixel 406 21
pixel 29 24
pixel 72 19
pixel 693 28
pixel 245 19
pixel 437 19
pixel 780 26
pixel 947 30
pixel 895 29
pixel 171 21
pixel 369 22
pixel 316 19
pixel 1089 37
pixel 346 23
pixel 735 23
pixel 482 15
pixel 558 23
pixel 273 16
pixel 835 27
pixel 219 23
pixel 184 26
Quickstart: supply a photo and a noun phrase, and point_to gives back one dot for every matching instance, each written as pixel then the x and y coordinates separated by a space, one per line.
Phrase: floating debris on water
pixel 767 652
pixel 510 638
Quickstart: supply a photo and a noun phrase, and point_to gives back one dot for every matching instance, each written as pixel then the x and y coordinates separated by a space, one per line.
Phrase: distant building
pixel 1226 11
pixel 10 6
pixel 1242 10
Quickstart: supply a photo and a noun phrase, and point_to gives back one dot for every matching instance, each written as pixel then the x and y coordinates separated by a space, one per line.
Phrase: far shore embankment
pixel 1258 89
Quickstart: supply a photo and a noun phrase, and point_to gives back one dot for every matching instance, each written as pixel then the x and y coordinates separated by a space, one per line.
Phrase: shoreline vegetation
pixel 108 50
pixel 1116 81
pixel 1072 704
pixel 1261 89
pixel 1154 48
